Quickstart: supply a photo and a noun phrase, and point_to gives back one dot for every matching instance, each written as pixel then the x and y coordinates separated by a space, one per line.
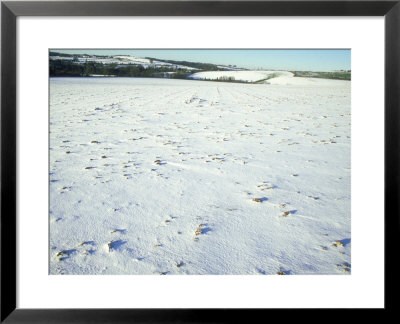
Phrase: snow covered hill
pixel 122 60
pixel 246 76
pixel 267 77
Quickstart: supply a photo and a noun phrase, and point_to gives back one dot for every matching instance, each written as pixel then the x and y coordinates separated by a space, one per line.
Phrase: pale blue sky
pixel 285 59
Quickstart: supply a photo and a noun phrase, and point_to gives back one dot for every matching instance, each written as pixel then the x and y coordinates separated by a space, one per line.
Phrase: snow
pixel 67 58
pixel 250 76
pixel 133 59
pixel 161 176
pixel 99 60
pixel 291 80
pixel 101 75
pixel 125 60
pixel 267 77
pixel 229 68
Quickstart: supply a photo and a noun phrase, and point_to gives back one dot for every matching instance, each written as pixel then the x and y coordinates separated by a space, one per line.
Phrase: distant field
pixel 337 75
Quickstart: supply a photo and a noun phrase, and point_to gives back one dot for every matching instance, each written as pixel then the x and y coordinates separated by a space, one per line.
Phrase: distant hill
pixel 61 64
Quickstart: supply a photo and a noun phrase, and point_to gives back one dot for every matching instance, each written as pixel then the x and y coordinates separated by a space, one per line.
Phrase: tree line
pixel 68 68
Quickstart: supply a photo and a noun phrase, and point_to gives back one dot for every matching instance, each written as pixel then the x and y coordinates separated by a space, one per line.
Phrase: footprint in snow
pixel 159 162
pixel 115 245
pixel 201 229
pixel 289 212
pixel 283 272
pixel 86 243
pixel 260 200
pixel 117 230
pixel 88 252
pixel 341 243
pixel 65 254
pixel 346 267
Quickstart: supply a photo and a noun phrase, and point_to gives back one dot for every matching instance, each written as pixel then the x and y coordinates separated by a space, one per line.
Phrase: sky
pixel 276 59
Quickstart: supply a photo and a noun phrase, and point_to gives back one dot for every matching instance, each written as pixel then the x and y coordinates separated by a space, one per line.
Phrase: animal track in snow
pixel 65 254
pixel 115 245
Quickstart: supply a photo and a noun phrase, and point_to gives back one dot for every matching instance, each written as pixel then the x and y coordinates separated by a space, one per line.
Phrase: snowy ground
pixel 159 176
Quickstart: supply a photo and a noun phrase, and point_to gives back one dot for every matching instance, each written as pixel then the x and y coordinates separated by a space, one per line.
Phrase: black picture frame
pixel 10 10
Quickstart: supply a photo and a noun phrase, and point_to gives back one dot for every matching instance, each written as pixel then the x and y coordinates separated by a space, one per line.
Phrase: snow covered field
pixel 160 176
pixel 246 76
pixel 266 77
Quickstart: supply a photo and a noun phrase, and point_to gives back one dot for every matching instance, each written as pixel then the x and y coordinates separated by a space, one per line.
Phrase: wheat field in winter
pixel 189 177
